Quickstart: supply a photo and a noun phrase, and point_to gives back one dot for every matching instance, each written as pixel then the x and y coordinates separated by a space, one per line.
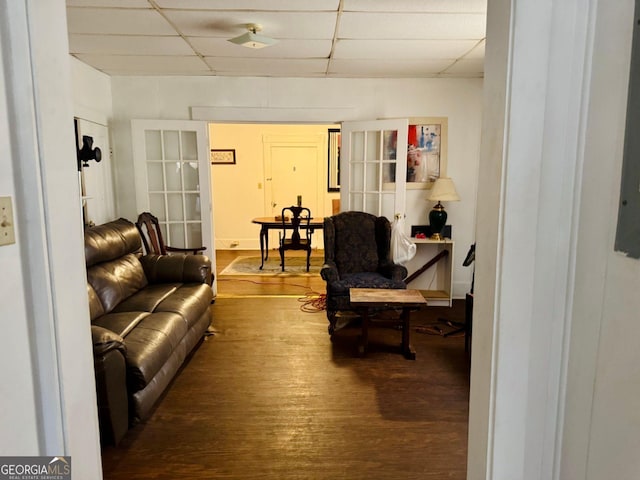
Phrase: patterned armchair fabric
pixel 357 253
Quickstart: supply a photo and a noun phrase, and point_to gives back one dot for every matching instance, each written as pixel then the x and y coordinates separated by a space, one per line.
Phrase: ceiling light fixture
pixel 251 39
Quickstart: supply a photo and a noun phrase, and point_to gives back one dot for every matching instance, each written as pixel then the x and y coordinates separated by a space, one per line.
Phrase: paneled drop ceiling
pixel 316 38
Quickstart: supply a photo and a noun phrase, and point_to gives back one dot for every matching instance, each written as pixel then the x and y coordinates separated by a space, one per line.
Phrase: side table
pixel 364 299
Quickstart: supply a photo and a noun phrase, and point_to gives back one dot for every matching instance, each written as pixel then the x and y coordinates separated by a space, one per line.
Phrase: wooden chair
pixel 295 241
pixel 151 234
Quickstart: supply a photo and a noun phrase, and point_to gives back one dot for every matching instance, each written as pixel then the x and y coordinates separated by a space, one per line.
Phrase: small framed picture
pixel 223 157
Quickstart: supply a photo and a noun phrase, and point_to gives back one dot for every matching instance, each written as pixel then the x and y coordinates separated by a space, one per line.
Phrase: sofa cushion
pixel 177 268
pixel 147 299
pixel 116 280
pixel 150 344
pixel 95 306
pixel 121 323
pixel 189 301
pixel 110 241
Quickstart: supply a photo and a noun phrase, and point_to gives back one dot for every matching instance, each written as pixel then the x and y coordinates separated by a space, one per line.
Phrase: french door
pixel 373 167
pixel 171 167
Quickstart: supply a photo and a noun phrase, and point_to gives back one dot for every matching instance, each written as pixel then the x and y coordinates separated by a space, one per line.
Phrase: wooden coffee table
pixel 364 299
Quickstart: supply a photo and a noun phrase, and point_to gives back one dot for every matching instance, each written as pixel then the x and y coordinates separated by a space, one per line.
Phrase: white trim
pixel 270 114
pixel 49 227
pixel 537 226
pixel 29 205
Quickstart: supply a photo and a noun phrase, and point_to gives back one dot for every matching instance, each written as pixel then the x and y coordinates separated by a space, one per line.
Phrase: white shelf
pixel 435 283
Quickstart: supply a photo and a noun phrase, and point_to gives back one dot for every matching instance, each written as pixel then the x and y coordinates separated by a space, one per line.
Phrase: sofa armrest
pixel 104 341
pixel 177 268
pixel 329 272
pixel 111 384
pixel 394 271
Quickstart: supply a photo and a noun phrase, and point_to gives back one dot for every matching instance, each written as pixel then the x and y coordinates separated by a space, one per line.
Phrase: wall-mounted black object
pixel 87 153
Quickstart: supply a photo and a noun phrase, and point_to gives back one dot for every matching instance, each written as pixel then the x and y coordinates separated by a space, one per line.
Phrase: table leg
pixel 407 351
pixel 263 234
pixel 364 336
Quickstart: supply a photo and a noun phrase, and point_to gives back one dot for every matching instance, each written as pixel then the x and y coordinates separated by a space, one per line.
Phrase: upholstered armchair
pixel 357 254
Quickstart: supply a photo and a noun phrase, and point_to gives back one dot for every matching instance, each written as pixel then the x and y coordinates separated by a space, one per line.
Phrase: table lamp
pixel 443 190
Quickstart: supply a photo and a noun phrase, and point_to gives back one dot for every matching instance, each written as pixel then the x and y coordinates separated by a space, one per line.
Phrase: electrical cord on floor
pixel 255 282
pixel 313 302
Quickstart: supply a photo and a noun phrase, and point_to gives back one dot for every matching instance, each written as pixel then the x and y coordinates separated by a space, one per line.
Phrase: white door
pixel 373 167
pixel 171 164
pixel 294 166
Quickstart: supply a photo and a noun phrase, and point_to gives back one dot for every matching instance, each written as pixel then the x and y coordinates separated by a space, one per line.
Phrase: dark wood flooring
pixel 271 396
pixel 247 285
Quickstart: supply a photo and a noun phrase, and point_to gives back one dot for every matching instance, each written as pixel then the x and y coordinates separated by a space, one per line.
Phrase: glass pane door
pixel 174 186
pixel 171 159
pixel 373 180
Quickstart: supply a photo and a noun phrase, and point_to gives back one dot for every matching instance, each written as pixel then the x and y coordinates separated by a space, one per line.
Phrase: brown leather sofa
pixel 147 313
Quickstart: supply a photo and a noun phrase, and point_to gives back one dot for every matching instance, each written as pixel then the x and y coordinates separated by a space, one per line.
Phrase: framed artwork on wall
pixel 426 151
pixel 223 156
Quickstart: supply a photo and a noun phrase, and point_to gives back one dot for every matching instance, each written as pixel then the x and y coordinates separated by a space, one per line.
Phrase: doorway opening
pixel 274 165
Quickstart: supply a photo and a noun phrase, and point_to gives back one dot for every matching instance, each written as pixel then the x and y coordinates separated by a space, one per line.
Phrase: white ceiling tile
pixel 117 21
pixel 228 24
pixel 417 26
pixel 471 67
pixel 402 49
pixel 477 51
pixel 253 5
pixel 128 45
pixel 416 6
pixel 109 3
pixel 399 68
pixel 220 47
pixel 145 65
pixel 377 38
pixel 268 67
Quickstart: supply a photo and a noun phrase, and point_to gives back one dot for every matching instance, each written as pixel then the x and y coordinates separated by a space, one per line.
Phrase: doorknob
pixel 267 179
pixel 273 204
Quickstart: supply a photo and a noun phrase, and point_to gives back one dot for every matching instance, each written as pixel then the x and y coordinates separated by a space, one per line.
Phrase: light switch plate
pixel 7 232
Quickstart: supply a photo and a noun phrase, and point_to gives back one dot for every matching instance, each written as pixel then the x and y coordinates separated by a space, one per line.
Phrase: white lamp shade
pixel 443 190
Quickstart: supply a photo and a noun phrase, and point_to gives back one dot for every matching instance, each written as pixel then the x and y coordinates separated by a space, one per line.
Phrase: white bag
pixel 402 248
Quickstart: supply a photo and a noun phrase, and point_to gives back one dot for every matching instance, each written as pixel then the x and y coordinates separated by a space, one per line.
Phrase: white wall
pixel 319 100
pixel 601 424
pixel 19 422
pixel 91 90
pixel 43 318
pixel 555 389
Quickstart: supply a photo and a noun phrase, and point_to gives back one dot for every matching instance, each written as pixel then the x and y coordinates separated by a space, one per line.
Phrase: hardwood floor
pixel 272 396
pixel 229 286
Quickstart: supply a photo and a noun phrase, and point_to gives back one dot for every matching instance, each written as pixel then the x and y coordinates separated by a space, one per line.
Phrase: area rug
pixel 293 266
